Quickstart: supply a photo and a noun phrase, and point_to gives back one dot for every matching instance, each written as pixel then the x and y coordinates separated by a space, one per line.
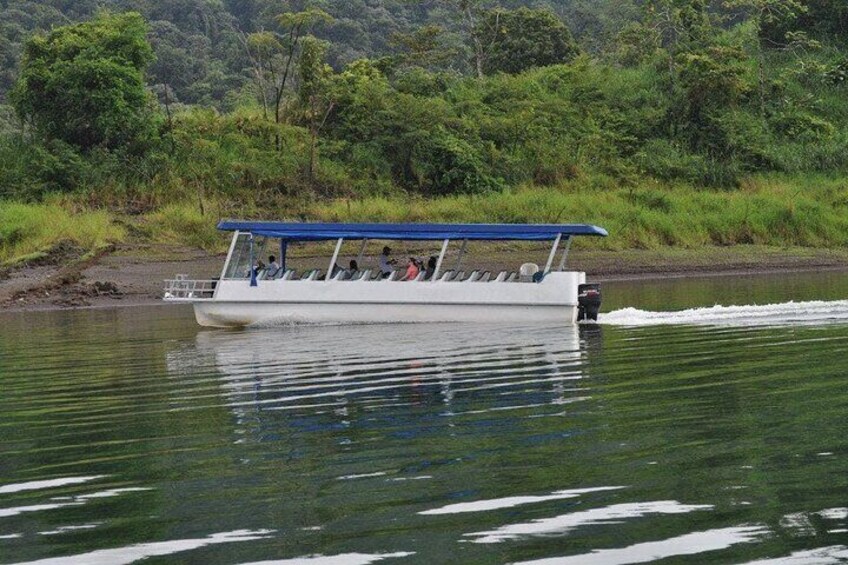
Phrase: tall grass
pixel 766 211
pixel 777 211
pixel 30 230
pixel 185 224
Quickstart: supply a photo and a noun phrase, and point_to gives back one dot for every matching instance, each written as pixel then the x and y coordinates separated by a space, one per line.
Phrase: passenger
pixel 386 268
pixel 273 267
pixel 412 270
pixel 347 274
pixel 258 268
pixel 431 268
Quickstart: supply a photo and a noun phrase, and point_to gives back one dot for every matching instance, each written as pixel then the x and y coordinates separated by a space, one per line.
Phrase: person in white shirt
pixel 386 263
pixel 273 267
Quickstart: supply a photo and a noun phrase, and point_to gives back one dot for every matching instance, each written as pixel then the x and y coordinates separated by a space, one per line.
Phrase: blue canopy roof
pixel 480 232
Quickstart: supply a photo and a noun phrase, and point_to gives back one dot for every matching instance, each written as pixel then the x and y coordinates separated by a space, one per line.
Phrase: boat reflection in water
pixel 443 369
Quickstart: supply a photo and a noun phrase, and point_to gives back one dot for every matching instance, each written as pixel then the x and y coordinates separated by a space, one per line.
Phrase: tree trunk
pixel 313 137
pixel 170 120
pixel 478 46
pixel 295 37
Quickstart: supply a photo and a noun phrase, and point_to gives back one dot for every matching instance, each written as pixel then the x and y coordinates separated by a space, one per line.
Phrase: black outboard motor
pixel 588 302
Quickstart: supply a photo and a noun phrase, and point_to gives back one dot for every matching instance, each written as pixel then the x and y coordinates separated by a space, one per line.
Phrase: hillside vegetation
pixel 671 122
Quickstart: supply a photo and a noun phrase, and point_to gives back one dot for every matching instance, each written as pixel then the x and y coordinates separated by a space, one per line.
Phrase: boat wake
pixel 785 314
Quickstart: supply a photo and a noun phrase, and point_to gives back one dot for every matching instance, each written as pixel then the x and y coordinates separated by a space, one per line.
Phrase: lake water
pixel 674 430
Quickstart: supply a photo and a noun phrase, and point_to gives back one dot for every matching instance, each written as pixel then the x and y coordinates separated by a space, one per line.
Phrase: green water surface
pixel 132 434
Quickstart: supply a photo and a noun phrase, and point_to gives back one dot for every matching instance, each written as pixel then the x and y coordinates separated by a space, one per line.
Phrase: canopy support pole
pixel 565 253
pixel 553 254
pixel 252 265
pixel 284 249
pixel 435 276
pixel 334 259
pixel 361 253
pixel 461 253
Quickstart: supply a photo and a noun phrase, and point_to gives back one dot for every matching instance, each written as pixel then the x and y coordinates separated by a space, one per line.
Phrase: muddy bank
pixel 122 275
pixel 134 274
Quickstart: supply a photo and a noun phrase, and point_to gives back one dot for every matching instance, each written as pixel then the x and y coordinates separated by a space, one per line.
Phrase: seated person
pixel 412 270
pixel 431 268
pixel 347 274
pixel 386 264
pixel 258 268
pixel 273 267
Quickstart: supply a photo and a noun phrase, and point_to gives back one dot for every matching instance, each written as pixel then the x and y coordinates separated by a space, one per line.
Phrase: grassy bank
pixel 28 232
pixel 767 211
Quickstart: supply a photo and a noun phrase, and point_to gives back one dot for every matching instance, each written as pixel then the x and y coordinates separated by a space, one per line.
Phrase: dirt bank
pixel 134 274
pixel 124 275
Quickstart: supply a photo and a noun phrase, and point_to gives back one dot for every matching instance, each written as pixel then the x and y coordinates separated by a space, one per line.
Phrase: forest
pixel 673 122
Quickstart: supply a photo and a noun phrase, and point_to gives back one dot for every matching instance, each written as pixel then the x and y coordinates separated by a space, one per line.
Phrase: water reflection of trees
pixel 739 420
pixel 407 409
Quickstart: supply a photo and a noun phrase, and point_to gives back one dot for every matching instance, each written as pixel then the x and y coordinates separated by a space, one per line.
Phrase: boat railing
pixel 182 287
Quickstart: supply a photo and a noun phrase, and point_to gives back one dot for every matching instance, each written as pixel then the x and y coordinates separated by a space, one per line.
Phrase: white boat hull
pixel 235 303
pixel 237 314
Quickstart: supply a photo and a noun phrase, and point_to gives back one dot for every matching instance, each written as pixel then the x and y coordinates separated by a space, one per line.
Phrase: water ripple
pixel 132 553
pixel 341 559
pixel 695 543
pixel 438 444
pixel 47 484
pixel 511 501
pixel 565 523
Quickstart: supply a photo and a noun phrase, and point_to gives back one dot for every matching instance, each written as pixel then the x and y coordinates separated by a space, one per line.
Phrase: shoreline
pixel 133 275
pixel 750 272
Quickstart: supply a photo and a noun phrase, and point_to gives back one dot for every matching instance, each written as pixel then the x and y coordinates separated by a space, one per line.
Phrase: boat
pixel 249 293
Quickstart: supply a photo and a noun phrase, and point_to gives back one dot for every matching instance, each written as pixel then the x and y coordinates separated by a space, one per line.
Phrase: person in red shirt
pixel 412 270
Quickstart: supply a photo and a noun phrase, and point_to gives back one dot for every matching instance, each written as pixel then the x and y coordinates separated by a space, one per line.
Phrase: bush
pixel 447 164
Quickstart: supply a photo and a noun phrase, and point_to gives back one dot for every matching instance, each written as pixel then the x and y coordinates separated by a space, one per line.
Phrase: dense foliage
pixel 84 84
pixel 199 44
pixel 305 101
pixel 523 39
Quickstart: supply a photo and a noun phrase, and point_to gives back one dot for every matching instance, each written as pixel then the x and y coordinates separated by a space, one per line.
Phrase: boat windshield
pixel 238 266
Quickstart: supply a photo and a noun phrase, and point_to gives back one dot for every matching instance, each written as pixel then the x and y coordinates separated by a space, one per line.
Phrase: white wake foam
pixel 787 313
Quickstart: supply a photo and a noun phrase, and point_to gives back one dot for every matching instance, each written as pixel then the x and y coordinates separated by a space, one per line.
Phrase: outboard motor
pixel 588 302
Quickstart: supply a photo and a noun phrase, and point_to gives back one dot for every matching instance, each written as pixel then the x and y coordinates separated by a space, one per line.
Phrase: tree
pixel 829 16
pixel 469 13
pixel 181 61
pixel 273 55
pixel 682 26
pixel 424 47
pixel 772 20
pixel 315 93
pixel 778 21
pixel 713 82
pixel 84 84
pixel 635 44
pixel 517 40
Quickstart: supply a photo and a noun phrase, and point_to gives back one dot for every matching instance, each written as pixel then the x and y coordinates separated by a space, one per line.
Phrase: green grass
pixel 185 224
pixel 29 231
pixel 775 211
